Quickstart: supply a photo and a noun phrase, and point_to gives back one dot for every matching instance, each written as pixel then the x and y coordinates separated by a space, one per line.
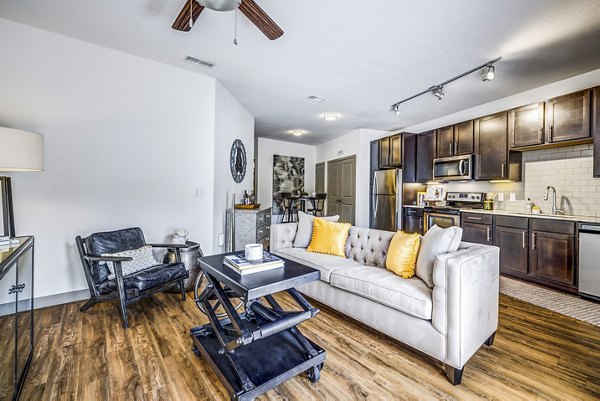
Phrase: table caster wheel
pixel 314 373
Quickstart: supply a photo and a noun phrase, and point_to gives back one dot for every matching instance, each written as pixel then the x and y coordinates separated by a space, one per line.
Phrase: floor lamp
pixel 19 151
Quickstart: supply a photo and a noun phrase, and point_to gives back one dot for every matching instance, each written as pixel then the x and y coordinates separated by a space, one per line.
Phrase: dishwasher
pixel 589 260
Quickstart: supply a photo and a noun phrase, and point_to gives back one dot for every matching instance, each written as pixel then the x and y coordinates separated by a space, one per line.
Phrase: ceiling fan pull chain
pixel 235 42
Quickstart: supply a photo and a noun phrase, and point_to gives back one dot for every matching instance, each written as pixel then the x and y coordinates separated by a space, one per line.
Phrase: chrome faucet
pixel 555 209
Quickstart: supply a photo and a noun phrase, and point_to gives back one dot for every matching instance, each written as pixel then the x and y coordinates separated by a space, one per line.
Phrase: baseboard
pixel 59 299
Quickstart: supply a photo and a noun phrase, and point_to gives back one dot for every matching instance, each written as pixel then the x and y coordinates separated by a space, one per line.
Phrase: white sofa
pixel 449 322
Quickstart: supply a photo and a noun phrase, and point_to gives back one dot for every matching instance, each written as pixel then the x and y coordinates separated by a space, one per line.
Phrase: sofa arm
pixel 465 300
pixel 282 236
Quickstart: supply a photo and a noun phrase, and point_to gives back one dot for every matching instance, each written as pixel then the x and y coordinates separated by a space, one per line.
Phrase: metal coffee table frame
pixel 256 350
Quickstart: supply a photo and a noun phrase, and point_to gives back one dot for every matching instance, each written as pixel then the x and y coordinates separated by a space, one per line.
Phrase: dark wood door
pixel 526 125
pixel 514 252
pixel 396 150
pixel 445 141
pixel 425 155
pixel 491 159
pixel 568 117
pixel 552 257
pixel 384 152
pixel 596 129
pixel 478 233
pixel 463 138
pixel 409 158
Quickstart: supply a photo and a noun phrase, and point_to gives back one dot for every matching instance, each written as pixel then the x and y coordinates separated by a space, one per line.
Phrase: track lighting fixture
pixel 489 72
pixel 438 90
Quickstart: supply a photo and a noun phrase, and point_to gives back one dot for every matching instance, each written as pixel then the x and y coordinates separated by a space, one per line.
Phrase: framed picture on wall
pixel 288 178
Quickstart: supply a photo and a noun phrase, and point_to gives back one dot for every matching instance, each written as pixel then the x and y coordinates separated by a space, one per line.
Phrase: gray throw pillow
pixel 305 228
pixel 436 241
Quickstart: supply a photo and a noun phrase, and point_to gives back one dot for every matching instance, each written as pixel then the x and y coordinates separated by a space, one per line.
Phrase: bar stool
pixel 319 204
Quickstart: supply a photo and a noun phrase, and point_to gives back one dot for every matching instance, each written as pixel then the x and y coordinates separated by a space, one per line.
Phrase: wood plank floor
pixel 538 354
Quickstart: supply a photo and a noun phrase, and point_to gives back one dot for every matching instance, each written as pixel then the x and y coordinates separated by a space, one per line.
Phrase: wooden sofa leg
pixel 490 341
pixel 454 375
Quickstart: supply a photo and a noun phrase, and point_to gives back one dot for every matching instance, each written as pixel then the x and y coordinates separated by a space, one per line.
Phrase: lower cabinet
pixel 413 220
pixel 511 236
pixel 477 228
pixel 552 257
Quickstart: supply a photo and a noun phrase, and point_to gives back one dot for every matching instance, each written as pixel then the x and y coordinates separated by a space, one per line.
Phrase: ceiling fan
pixel 193 8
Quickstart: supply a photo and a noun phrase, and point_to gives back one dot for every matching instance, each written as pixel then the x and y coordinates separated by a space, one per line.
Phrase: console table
pixel 255 351
pixel 16 316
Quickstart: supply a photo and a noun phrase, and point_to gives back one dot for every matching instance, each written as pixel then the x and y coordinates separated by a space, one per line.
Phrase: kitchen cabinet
pixel 511 236
pixel 526 125
pixel 596 129
pixel 409 158
pixel 425 156
pixel 568 117
pixel 455 140
pixel 477 228
pixel 552 251
pixel 390 151
pixel 413 220
pixel 493 161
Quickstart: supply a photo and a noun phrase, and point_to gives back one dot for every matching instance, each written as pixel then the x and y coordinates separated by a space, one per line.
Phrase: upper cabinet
pixel 493 161
pixel 409 158
pixel 455 140
pixel 425 155
pixel 390 151
pixel 557 122
pixel 568 117
pixel 596 129
pixel 526 125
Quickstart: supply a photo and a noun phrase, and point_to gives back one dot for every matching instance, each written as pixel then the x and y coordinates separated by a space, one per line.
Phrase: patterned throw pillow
pixel 142 258
pixel 329 238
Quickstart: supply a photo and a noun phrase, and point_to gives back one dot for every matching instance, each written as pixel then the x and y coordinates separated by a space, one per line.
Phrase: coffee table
pixel 256 350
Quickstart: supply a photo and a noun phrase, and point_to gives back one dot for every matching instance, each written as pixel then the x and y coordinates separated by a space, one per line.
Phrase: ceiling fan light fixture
pixel 221 5
pixel 489 72
pixel 330 116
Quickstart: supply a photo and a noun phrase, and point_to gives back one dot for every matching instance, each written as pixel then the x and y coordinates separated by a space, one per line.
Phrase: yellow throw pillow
pixel 402 254
pixel 329 238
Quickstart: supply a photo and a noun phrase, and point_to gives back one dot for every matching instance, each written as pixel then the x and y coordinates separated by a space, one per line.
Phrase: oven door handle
pixel 461 167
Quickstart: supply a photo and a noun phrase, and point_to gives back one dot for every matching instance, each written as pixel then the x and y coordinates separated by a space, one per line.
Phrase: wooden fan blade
pixel 260 18
pixel 182 23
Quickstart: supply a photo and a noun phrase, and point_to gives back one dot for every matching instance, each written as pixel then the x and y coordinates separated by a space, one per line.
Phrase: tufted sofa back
pixel 368 246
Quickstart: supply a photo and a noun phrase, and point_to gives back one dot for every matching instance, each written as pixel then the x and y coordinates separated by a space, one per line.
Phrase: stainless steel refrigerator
pixel 386 194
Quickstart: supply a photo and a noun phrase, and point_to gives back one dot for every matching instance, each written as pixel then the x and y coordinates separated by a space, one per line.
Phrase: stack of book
pixel 239 264
pixel 7 242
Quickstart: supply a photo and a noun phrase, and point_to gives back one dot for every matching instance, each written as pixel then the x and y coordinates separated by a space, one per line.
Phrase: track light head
pixel 488 73
pixel 438 91
pixel 396 109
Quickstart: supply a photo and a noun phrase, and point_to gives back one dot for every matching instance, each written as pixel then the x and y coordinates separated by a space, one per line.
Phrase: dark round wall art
pixel 237 161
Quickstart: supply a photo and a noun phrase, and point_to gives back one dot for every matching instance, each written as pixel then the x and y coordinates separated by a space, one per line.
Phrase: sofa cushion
pixel 148 278
pixel 305 228
pixel 368 246
pixel 411 296
pixel 326 264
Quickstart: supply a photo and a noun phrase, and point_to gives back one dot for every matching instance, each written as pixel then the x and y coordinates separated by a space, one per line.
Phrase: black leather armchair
pixel 131 288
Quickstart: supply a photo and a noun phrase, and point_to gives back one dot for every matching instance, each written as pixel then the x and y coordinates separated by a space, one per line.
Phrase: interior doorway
pixel 320 177
pixel 341 188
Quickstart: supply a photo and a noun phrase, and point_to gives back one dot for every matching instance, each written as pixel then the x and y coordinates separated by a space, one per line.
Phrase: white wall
pixel 356 143
pixel 127 142
pixel 232 122
pixel 269 147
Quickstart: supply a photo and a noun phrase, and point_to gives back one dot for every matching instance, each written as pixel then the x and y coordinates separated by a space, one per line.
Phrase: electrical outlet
pixel 200 192
pixel 221 239
pixel 513 197
pixel 500 197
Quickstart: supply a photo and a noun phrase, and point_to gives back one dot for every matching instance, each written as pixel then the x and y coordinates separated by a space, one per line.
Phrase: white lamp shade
pixel 21 150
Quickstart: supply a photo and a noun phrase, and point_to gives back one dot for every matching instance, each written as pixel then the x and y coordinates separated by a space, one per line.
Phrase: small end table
pixel 256 350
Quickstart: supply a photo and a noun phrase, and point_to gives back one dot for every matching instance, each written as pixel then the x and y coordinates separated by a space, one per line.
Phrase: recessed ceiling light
pixel 197 61
pixel 297 132
pixel 330 116
pixel 315 99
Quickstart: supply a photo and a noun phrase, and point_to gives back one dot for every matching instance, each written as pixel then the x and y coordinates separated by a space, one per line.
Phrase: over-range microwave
pixel 457 168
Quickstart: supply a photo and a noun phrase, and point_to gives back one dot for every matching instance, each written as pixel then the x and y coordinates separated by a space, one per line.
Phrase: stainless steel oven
pixel 441 218
pixel 457 168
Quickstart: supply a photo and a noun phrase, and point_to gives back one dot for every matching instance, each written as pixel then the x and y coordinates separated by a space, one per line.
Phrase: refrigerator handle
pixel 374 206
pixel 375 182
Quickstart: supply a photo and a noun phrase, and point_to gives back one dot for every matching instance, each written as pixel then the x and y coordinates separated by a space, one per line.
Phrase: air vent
pixel 315 99
pixel 197 61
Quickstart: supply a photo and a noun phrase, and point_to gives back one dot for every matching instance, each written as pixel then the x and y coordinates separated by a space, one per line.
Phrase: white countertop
pixel 583 219
pixel 413 206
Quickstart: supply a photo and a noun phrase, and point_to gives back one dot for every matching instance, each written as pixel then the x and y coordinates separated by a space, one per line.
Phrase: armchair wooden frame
pixel 125 296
